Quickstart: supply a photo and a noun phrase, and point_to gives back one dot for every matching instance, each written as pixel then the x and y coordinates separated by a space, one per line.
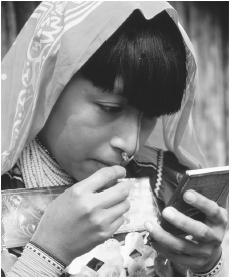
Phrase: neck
pixel 40 169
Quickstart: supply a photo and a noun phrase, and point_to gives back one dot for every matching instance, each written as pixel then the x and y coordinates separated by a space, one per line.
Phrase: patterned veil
pixel 56 41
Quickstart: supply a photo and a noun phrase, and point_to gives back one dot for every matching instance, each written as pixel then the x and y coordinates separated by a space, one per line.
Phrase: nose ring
pixel 125 157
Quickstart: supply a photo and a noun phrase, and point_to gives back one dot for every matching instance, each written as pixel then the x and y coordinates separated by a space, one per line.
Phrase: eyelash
pixel 110 108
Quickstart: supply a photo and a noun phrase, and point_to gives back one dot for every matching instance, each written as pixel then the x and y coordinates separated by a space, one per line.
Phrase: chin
pixel 83 174
pixel 87 169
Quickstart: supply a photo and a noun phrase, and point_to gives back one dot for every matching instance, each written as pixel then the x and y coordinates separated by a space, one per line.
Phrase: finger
pixel 112 214
pixel 113 227
pixel 195 262
pixel 172 243
pixel 211 209
pixel 203 250
pixel 100 179
pixel 116 225
pixel 199 230
pixel 114 195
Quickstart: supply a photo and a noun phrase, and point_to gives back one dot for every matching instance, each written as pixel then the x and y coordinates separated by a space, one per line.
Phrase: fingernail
pixel 189 196
pixel 120 170
pixel 169 212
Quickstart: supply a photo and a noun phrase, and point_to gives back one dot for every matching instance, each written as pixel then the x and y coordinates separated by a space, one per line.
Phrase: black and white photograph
pixel 115 138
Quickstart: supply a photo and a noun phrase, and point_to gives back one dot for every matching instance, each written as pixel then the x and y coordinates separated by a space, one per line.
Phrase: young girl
pixel 82 89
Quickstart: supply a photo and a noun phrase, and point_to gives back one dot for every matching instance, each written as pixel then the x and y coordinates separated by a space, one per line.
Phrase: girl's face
pixel 89 128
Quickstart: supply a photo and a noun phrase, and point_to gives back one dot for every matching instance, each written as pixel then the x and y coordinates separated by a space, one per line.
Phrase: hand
pixel 82 217
pixel 202 252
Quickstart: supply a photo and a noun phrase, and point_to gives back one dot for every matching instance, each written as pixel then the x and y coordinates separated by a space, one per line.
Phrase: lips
pixel 106 163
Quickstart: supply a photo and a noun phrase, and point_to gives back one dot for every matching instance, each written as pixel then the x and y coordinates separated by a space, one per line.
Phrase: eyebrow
pixel 110 93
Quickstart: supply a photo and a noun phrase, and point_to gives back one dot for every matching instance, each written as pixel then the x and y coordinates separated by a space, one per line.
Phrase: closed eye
pixel 109 108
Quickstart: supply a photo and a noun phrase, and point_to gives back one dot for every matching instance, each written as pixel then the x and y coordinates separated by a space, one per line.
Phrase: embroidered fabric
pixel 34 262
pixel 46 256
pixel 160 161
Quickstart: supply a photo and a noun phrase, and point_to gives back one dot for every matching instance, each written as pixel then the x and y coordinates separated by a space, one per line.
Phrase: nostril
pixel 127 144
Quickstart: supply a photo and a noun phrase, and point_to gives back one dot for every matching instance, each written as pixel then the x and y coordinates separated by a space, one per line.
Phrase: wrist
pixel 214 271
pixel 44 253
pixel 53 250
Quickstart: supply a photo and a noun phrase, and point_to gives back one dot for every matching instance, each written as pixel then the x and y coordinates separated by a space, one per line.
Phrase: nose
pixel 126 138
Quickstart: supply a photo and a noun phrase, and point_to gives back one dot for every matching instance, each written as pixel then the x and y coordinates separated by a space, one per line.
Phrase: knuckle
pixel 216 210
pixel 103 235
pixel 94 220
pixel 203 232
pixel 98 222
pixel 183 223
pixel 76 191
pixel 217 240
pixel 86 208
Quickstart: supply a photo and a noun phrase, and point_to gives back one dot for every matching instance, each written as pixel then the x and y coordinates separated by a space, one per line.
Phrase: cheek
pixel 79 139
pixel 77 145
pixel 83 135
pixel 83 142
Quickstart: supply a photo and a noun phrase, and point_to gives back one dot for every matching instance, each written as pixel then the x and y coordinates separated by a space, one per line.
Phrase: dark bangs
pixel 149 57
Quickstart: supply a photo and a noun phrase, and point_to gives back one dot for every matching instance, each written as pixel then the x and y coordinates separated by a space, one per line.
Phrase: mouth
pixel 105 163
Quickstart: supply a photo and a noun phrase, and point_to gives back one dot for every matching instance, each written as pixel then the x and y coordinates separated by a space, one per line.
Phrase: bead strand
pixel 39 169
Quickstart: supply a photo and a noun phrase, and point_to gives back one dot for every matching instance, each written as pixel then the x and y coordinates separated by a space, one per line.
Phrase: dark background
pixel 207 25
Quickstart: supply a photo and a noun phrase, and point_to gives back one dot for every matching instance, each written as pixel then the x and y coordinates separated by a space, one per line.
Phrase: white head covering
pixel 56 41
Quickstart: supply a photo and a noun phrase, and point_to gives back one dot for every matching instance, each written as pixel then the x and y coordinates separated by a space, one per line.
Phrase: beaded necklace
pixel 39 168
